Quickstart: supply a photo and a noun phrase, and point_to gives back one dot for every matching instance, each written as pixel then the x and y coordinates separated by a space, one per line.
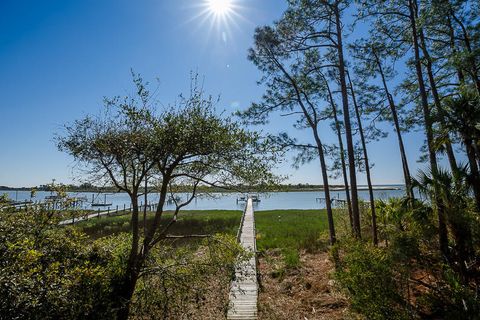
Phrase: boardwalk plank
pixel 244 288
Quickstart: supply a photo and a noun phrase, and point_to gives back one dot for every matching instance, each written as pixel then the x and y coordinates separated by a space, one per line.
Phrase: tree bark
pixel 436 99
pixel 367 164
pixel 342 154
pixel 348 128
pixel 145 208
pixel 126 287
pixel 326 186
pixel 474 170
pixel 442 227
pixel 451 34
pixel 466 38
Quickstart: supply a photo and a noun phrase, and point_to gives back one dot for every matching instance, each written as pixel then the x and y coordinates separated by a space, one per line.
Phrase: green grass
pixel 276 229
pixel 189 222
pixel 291 230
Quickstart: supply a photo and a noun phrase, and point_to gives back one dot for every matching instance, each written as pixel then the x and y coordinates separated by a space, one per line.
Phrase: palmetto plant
pixel 454 192
pixel 454 187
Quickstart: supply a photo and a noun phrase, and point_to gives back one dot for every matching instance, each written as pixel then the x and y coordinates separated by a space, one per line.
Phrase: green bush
pixel 48 272
pixel 366 275
pixel 291 258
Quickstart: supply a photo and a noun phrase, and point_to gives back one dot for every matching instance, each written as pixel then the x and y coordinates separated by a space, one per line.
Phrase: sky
pixel 60 58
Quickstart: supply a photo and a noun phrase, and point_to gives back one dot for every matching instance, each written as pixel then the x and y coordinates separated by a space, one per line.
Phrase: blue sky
pixel 58 59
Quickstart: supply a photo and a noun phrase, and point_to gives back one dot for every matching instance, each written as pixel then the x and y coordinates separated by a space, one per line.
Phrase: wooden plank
pixel 244 287
pixel 90 216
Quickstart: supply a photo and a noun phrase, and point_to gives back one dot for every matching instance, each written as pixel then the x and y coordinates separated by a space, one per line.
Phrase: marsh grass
pixel 291 231
pixel 294 229
pixel 189 222
pixel 288 231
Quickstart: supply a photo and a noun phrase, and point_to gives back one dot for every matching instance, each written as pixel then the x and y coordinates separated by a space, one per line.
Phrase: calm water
pixel 220 201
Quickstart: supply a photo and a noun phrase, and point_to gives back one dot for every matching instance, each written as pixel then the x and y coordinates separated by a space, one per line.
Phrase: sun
pixel 220 16
pixel 220 7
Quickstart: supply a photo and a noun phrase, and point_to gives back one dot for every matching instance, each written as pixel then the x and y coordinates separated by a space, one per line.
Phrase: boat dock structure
pixel 244 287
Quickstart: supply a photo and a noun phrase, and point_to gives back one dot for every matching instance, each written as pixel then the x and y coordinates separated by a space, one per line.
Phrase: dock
pixel 109 212
pixel 244 287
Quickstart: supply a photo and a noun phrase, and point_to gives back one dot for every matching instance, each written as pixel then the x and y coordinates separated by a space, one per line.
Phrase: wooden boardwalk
pixel 87 217
pixel 110 212
pixel 244 287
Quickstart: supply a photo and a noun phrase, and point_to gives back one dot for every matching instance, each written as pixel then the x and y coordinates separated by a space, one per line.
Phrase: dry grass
pixel 306 292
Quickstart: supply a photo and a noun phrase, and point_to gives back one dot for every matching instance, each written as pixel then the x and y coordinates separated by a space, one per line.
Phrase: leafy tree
pixel 187 144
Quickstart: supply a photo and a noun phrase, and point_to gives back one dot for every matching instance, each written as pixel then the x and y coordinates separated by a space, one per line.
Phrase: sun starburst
pixel 220 7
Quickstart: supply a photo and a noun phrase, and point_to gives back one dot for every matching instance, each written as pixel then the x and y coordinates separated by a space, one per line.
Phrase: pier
pixel 109 212
pixel 244 287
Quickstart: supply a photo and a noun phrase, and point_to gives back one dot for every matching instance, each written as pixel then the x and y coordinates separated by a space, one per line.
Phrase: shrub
pixel 47 272
pixel 366 275
pixel 291 258
pixel 188 282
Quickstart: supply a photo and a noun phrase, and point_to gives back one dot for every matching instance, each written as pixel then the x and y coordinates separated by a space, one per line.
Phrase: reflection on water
pixel 219 201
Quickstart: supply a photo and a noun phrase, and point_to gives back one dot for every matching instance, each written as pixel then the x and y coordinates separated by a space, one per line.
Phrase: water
pixel 218 201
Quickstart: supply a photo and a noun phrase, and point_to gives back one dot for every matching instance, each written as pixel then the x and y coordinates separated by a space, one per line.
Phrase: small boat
pixel 255 198
pixel 241 199
pixel 53 197
pixel 101 204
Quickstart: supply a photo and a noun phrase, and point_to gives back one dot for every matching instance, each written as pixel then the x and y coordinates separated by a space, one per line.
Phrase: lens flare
pixel 220 7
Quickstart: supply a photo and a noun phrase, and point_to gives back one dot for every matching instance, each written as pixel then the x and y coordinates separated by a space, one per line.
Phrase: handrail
pixel 239 231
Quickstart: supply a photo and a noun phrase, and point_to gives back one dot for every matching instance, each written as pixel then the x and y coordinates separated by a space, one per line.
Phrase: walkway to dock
pixel 87 217
pixel 109 212
pixel 244 288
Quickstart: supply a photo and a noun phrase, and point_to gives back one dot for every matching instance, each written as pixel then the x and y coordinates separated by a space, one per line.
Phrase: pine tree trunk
pixel 442 227
pixel 348 128
pixel 406 170
pixel 436 99
pixel 342 154
pixel 326 188
pixel 312 120
pixel 367 164
pixel 451 34
pixel 474 170
pixel 466 38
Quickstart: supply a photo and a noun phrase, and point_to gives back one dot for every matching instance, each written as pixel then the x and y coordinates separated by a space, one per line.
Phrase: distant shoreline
pixel 291 188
